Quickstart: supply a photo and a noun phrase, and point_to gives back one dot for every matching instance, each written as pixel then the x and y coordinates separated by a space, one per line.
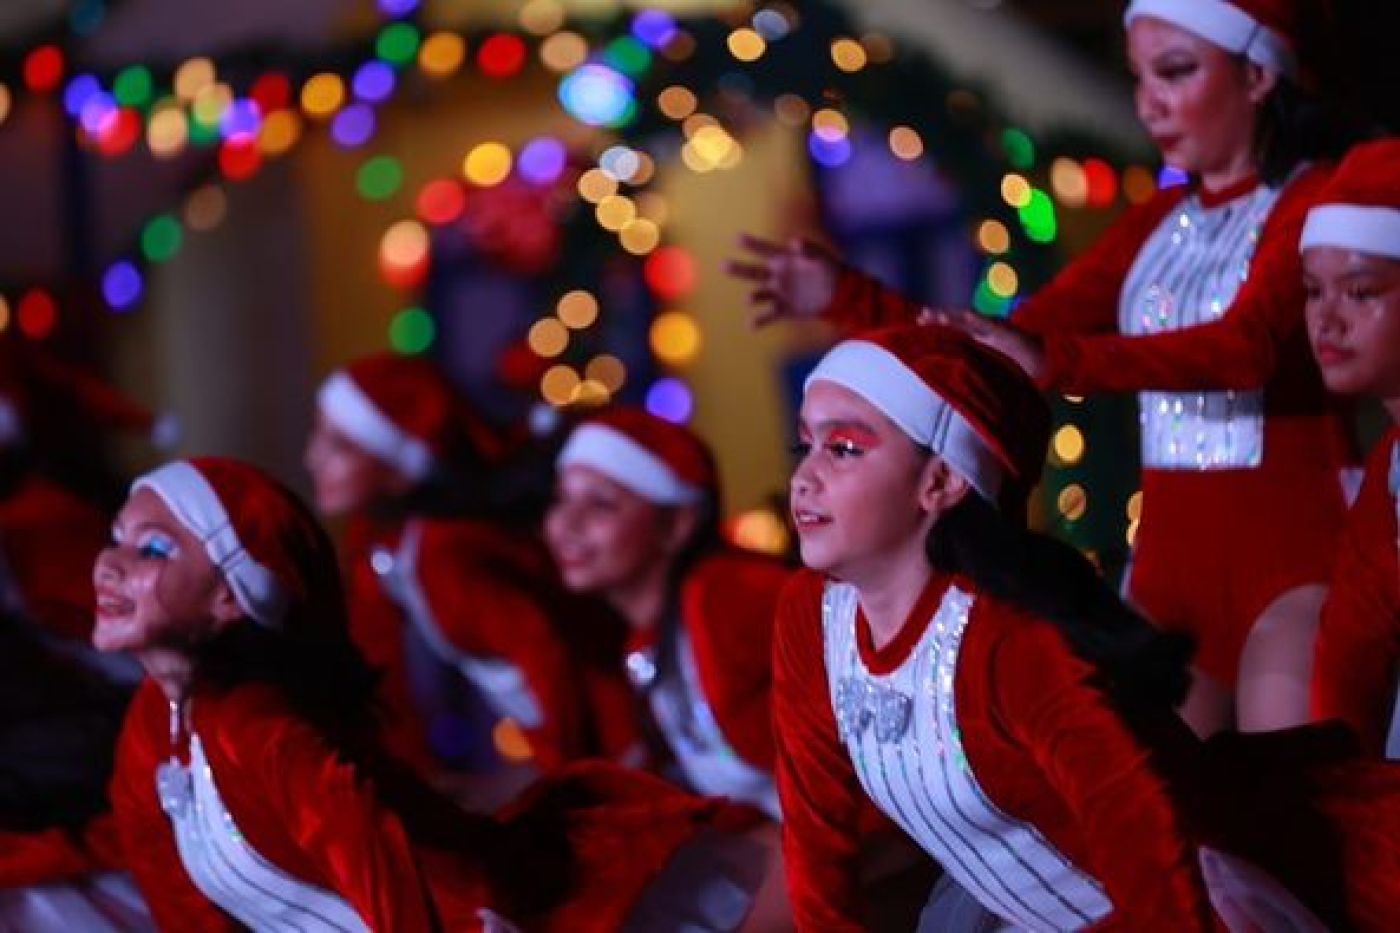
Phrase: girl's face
pixel 1198 102
pixel 155 585
pixel 856 491
pixel 603 535
pixel 347 478
pixel 1353 311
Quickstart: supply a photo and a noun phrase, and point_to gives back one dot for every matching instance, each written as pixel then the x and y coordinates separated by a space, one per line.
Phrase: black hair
pixel 1297 126
pixel 1143 668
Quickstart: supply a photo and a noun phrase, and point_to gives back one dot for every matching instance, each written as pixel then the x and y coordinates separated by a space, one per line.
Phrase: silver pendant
pixel 175 788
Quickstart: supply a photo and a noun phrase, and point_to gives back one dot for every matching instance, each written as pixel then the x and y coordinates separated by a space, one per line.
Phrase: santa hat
pixel 40 392
pixel 254 530
pixel 659 460
pixel 1359 207
pixel 969 404
pixel 1267 32
pixel 402 410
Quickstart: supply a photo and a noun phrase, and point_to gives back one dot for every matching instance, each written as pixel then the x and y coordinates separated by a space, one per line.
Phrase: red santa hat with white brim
pixel 972 406
pixel 1359 207
pixel 1264 31
pixel 240 516
pixel 403 411
pixel 659 460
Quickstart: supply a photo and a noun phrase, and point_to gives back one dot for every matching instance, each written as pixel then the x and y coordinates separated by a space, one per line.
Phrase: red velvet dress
pixel 1358 642
pixel 1040 737
pixel 352 832
pixel 1141 312
pixel 487 604
pixel 712 705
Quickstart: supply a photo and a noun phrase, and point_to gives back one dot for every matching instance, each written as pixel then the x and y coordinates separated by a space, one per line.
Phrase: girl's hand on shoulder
pixel 1024 349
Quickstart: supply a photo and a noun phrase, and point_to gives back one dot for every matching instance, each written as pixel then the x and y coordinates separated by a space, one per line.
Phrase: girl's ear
pixel 224 607
pixel 940 486
pixel 1259 81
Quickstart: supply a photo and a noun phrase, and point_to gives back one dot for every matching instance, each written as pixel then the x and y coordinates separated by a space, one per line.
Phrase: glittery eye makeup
pixel 854 435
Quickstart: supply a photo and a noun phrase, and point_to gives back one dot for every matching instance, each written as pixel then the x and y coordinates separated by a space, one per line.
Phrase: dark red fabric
pixel 49 539
pixel 1044 744
pixel 1358 641
pixel 59 854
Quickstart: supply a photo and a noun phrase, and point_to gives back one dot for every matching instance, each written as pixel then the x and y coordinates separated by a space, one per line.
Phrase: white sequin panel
pixel 229 871
pixel 710 764
pixel 501 684
pixel 901 731
pixel 1392 745
pixel 1187 273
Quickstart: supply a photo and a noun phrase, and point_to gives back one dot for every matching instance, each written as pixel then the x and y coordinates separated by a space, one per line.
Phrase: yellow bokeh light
pixel 879 48
pixel 746 45
pixel 654 207
pixel 1002 280
pixel 211 103
pixel 761 530
pixel 848 55
pixel 1015 190
pixel 442 54
pixel 906 143
pixel 595 184
pixel 1134 507
pixel 322 94
pixel 510 741
pixel 4 314
pixel 279 132
pixel 547 337
pixel 791 109
pixel 993 237
pixel 542 17
pixel 167 131
pixel 697 122
pixel 645 169
pixel 1131 535
pixel 1139 184
pixel 607 370
pixel 205 208
pixel 405 244
pixel 712 144
pixel 830 124
pixel 577 309
pixel 1073 502
pixel 1068 445
pixel 615 212
pixel 677 102
pixel 487 164
pixel 675 338
pixel 559 386
pixel 592 393
pixel 640 237
pixel 1073 399
pixel 564 51
pixel 6 100
pixel 1070 184
pixel 192 77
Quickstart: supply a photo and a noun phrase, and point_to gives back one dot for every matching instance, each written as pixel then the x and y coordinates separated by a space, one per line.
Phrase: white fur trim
pixel 1224 24
pixel 346 404
pixel 882 379
pixel 191 499
pixel 1353 226
pixel 11 429
pixel 622 459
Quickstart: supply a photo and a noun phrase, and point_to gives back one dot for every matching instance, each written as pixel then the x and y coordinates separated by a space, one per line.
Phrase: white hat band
pixel 622 459
pixel 188 495
pixel 882 379
pixel 1224 24
pixel 1353 226
pixel 346 404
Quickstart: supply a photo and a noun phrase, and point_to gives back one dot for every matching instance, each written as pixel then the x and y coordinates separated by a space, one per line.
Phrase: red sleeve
pixel 498 608
pixel 1357 654
pixel 1047 701
pixel 1239 350
pixel 861 302
pixel 58 854
pixel 148 845
pixel 728 606
pixel 817 786
pixel 280 768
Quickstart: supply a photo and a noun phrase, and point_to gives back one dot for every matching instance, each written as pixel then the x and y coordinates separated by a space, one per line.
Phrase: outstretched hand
pixel 995 333
pixel 795 279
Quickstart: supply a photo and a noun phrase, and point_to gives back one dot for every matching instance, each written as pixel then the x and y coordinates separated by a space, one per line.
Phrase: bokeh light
pixel 597 95
pixel 487 164
pixel 675 338
pixel 412 331
pixel 577 309
pixel 671 399
pixel 121 286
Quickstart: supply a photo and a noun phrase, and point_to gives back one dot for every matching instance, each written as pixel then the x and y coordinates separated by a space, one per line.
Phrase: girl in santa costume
pixel 1351 266
pixel 984 689
pixel 250 790
pixel 433 583
pixel 635 518
pixel 1192 299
